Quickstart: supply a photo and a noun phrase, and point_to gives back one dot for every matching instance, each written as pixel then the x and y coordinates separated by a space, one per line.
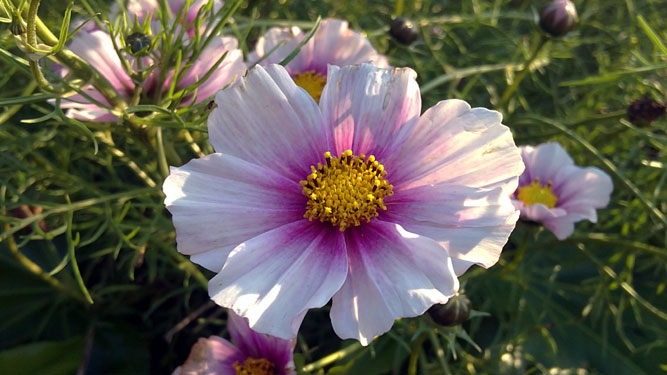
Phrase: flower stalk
pixel 526 69
pixel 37 29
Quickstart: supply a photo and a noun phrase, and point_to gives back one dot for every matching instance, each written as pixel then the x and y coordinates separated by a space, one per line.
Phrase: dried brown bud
pixel 558 18
pixel 645 111
pixel 454 312
pixel 404 30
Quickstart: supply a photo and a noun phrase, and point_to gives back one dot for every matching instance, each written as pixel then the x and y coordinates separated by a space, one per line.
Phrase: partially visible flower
pixel 558 193
pixel 97 49
pixel 360 199
pixel 645 111
pixel 333 44
pixel 251 353
pixel 404 30
pixel 558 18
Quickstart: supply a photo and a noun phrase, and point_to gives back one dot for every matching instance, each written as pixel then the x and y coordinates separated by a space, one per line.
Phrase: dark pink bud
pixel 558 18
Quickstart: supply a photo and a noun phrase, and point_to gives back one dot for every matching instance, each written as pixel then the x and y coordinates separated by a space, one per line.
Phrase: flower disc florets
pixel 253 366
pixel 346 190
pixel 537 193
pixel 311 81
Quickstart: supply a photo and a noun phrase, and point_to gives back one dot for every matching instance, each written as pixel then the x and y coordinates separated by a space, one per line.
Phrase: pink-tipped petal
pixel 274 278
pixel 258 345
pixel 473 224
pixel 392 274
pixel 211 356
pixel 96 48
pixel 81 108
pixel 543 162
pixel 278 43
pixel 230 68
pixel 219 201
pixel 335 44
pixel 456 144
pixel 268 120
pixel 372 110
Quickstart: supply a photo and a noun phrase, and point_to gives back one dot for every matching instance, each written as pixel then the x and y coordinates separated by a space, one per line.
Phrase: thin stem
pixel 37 270
pixel 526 69
pixel 331 358
pixel 439 352
pixel 414 355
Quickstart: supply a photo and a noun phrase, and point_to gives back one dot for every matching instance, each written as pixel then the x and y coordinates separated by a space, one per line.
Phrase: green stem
pixel 79 68
pixel 526 69
pixel 331 358
pixel 37 270
pixel 414 355
pixel 439 352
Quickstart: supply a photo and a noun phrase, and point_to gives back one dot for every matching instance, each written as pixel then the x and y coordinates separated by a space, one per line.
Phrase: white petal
pixel 219 201
pixel 372 110
pixel 455 144
pixel 473 224
pixel 274 278
pixel 392 274
pixel 268 120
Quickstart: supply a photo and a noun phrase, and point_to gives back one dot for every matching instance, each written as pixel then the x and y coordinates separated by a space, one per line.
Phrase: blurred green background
pixel 593 304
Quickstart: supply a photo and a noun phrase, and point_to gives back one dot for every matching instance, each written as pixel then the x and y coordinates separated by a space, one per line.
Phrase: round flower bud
pixel 645 111
pixel 454 312
pixel 404 30
pixel 138 42
pixel 558 18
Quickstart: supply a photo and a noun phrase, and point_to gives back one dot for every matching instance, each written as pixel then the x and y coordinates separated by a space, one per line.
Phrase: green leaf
pixel 43 358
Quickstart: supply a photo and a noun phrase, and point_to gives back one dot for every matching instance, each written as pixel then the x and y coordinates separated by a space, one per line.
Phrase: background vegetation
pixel 94 284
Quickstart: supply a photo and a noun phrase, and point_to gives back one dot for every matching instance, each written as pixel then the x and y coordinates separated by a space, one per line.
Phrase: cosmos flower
pixel 251 354
pixel 333 44
pixel 96 48
pixel 557 193
pixel 358 199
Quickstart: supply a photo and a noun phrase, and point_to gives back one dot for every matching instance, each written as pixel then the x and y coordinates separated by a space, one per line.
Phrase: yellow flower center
pixel 536 193
pixel 254 366
pixel 312 82
pixel 346 190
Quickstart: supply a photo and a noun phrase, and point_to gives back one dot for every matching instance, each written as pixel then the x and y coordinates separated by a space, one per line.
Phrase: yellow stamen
pixel 536 193
pixel 254 366
pixel 346 190
pixel 312 82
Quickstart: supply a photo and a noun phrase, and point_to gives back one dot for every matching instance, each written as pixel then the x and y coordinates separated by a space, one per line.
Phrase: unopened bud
pixel 558 18
pixel 454 312
pixel 645 111
pixel 138 42
pixel 404 30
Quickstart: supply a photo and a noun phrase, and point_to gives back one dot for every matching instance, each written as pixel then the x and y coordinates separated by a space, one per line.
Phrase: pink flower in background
pixel 333 44
pixel 358 199
pixel 557 193
pixel 97 49
pixel 251 353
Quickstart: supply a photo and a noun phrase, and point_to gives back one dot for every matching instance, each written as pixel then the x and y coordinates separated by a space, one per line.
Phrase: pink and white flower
pixel 96 48
pixel 333 44
pixel 557 193
pixel 359 199
pixel 251 352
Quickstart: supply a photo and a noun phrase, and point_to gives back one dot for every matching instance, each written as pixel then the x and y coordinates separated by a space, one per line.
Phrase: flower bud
pixel 404 30
pixel 558 18
pixel 454 312
pixel 645 111
pixel 138 42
